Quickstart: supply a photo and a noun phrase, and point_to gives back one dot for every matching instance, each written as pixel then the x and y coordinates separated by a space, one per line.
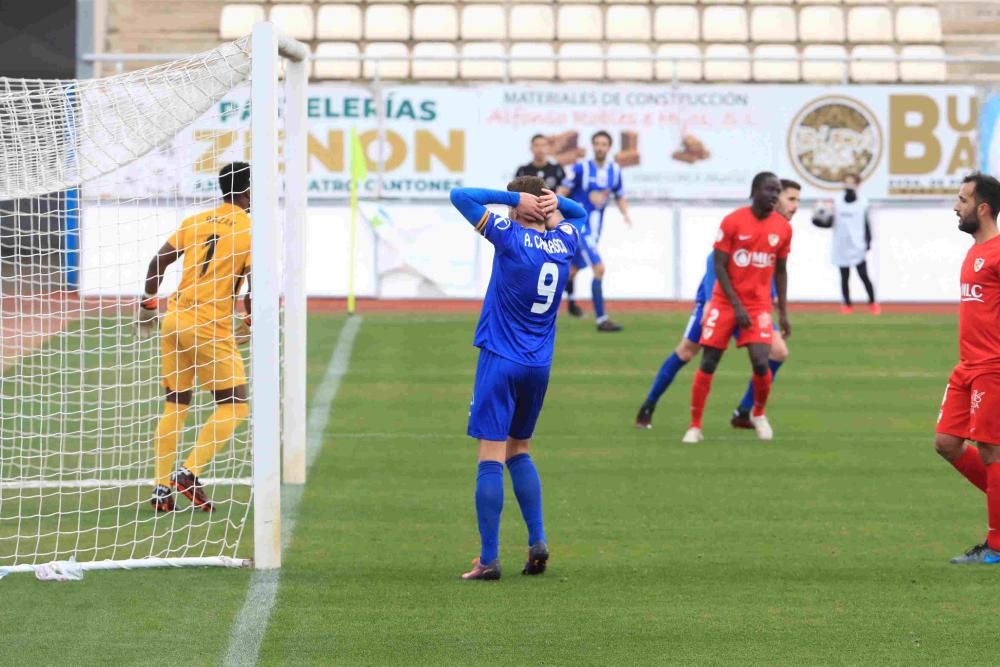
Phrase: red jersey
pixel 979 311
pixel 753 246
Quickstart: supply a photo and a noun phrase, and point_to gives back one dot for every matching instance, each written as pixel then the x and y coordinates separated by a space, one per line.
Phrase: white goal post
pixel 95 175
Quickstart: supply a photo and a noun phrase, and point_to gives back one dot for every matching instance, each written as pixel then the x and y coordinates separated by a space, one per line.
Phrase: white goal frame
pixel 277 370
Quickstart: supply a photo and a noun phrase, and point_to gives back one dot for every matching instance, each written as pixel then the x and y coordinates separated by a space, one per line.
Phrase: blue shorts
pixel 693 330
pixel 507 398
pixel 586 252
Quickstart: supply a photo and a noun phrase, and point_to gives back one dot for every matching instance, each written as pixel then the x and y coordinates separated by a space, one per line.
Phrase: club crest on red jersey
pixel 978 264
pixel 773 239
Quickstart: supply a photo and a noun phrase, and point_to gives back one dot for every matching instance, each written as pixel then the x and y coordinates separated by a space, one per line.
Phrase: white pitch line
pixel 251 623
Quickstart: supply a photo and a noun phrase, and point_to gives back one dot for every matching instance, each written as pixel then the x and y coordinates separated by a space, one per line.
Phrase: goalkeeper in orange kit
pixel 197 340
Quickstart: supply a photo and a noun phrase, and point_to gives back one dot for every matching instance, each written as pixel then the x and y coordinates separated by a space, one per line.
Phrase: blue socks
pixel 747 402
pixel 664 377
pixel 489 502
pixel 489 505
pixel 597 296
pixel 528 489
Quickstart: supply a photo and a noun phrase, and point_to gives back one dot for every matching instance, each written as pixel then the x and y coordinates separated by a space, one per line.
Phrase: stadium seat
pixel 582 70
pixel 296 21
pixel 821 24
pixel 438 70
pixel 630 70
pixel 921 25
pixel 390 22
pixel 388 68
pixel 724 24
pixel 486 22
pixel 435 22
pixel 627 23
pixel 687 70
pixel 775 70
pixel 676 24
pixel 482 69
pixel 532 22
pixel 339 22
pixel 870 25
pixel 820 71
pixel 931 70
pixel 578 22
pixel 545 68
pixel 727 70
pixel 237 20
pixel 337 69
pixel 873 72
pixel 773 24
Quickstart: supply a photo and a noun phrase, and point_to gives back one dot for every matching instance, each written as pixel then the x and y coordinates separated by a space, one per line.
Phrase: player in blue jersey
pixel 515 336
pixel 592 183
pixel 788 204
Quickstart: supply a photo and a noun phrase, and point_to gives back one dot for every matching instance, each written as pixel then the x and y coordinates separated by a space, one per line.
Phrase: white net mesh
pixel 96 176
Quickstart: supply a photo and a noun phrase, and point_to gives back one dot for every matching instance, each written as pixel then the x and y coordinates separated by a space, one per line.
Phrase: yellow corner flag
pixel 359 175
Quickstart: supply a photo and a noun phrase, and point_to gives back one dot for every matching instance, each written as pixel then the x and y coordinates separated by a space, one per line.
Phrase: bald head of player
pixel 234 181
pixel 535 187
pixel 788 200
pixel 764 192
pixel 978 204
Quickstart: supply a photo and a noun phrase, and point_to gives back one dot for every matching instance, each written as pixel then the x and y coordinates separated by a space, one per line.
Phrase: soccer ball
pixel 823 215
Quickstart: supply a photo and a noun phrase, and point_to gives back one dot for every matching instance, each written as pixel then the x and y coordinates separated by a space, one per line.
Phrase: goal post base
pixel 144 563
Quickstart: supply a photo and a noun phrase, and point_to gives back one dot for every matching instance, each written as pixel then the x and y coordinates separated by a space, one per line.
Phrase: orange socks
pixel 700 389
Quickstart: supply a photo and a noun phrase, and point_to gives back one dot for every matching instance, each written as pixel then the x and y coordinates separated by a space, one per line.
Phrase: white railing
pixel 119 60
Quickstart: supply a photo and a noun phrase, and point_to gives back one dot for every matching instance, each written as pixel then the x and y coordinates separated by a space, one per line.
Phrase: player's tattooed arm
pixel 720 261
pixel 781 282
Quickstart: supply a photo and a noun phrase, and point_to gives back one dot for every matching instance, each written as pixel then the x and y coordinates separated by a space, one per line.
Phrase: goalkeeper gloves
pixel 148 318
pixel 241 330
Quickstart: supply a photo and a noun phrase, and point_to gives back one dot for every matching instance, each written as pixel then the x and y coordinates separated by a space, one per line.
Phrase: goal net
pixel 96 176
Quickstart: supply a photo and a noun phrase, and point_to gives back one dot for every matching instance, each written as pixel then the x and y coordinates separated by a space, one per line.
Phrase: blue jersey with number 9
pixel 530 268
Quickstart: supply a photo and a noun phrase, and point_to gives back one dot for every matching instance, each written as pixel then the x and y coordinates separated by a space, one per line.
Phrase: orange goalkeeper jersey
pixel 216 249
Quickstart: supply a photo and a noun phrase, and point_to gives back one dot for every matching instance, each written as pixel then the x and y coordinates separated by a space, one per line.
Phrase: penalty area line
pixel 251 622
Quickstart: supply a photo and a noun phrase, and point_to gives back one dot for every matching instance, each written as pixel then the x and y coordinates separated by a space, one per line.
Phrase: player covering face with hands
pixel 533 247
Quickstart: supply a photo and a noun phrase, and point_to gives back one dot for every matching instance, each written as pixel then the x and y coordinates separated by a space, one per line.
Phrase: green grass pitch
pixel 828 545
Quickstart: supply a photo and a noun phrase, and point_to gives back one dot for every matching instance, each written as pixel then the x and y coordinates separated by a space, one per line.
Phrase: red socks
pixel 993 505
pixel 971 465
pixel 761 390
pixel 700 389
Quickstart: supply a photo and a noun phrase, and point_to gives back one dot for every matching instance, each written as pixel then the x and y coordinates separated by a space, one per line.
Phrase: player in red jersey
pixel 971 406
pixel 751 249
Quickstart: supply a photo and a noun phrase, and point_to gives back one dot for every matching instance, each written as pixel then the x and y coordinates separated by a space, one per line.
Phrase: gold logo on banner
pixel 832 137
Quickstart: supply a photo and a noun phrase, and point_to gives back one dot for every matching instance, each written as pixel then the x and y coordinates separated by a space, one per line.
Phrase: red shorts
pixel 971 406
pixel 719 325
